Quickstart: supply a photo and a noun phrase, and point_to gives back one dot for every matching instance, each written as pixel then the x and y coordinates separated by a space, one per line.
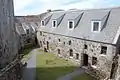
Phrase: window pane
pixel 54 23
pixel 69 42
pixel 77 56
pixel 71 52
pixel 42 23
pixel 58 51
pixel 94 61
pixel 95 26
pixel 103 50
pixel 85 46
pixel 70 24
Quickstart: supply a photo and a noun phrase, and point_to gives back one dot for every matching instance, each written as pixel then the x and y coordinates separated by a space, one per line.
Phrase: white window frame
pixel 53 23
pixel 73 25
pixel 92 25
pixel 42 24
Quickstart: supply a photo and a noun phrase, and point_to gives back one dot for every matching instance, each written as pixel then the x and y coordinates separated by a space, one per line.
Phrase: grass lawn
pixel 49 67
pixel 27 49
pixel 26 52
pixel 84 77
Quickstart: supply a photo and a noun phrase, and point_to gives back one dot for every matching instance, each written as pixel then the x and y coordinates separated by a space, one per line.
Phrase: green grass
pixel 84 77
pixel 27 49
pixel 40 50
pixel 26 52
pixel 49 67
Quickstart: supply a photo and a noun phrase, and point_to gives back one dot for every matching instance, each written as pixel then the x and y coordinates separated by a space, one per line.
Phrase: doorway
pixel 36 41
pixel 58 51
pixel 45 50
pixel 47 45
pixel 85 60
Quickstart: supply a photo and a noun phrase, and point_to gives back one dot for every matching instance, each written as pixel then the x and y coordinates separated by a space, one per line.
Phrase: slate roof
pixel 20 29
pixel 32 22
pixel 83 29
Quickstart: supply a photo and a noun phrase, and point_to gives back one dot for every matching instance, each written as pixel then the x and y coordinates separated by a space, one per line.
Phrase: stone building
pixel 26 27
pixel 89 38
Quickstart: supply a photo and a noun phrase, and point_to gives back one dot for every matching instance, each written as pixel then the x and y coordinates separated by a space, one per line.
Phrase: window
pixel 70 42
pixel 40 33
pixel 59 40
pixel 44 42
pixel 54 24
pixel 94 61
pixel 3 10
pixel 96 26
pixel 42 23
pixel 77 56
pixel 103 50
pixel 47 45
pixel 71 52
pixel 85 46
pixel 27 31
pixel 58 51
pixel 70 24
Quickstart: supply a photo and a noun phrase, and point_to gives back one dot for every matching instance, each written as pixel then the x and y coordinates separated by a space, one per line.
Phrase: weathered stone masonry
pixel 9 41
pixel 63 44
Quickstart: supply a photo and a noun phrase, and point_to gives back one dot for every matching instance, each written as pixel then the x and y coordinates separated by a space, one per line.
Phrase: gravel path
pixel 29 73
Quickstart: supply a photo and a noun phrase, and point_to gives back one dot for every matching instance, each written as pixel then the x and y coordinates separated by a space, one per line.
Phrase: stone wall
pixel 93 49
pixel 14 73
pixel 8 37
pixel 9 40
pixel 117 74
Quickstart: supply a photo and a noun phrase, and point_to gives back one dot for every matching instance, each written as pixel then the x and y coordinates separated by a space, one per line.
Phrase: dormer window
pixel 54 23
pixel 70 24
pixel 42 23
pixel 96 26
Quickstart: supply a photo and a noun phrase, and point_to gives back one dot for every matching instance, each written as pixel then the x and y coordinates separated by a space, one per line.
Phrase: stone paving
pixel 30 70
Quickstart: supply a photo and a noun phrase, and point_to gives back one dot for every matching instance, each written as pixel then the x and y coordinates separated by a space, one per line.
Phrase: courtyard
pixel 47 66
